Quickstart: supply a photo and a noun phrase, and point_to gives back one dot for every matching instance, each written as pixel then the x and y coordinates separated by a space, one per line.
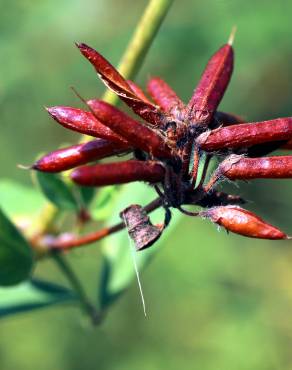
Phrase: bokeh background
pixel 215 301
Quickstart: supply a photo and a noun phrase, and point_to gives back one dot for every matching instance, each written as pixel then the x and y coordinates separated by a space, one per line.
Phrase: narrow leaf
pixel 87 194
pixel 16 257
pixel 102 205
pixel 30 295
pixel 56 191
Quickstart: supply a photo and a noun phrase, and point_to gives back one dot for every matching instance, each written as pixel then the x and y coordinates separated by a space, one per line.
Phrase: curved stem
pixel 59 244
pixel 188 213
pixel 74 242
pixel 87 306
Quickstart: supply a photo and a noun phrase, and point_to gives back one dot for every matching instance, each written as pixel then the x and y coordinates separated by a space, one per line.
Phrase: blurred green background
pixel 214 301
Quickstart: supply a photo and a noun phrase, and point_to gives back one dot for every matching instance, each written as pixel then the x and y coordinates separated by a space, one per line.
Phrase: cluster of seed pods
pixel 168 143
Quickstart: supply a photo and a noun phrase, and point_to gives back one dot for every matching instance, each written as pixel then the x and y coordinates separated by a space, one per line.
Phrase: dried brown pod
pixel 138 224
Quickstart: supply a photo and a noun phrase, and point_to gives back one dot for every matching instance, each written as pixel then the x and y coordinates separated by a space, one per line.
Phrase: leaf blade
pixel 16 256
pixel 56 191
pixel 30 295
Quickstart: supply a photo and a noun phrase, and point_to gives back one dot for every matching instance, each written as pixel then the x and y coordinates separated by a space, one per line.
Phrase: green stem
pixel 86 304
pixel 138 46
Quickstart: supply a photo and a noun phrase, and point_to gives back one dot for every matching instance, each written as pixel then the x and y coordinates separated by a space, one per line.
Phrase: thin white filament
pixel 133 251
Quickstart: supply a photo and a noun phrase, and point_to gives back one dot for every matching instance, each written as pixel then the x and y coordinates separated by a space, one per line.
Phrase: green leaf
pixel 30 295
pixel 117 264
pixel 56 191
pixel 87 194
pixel 16 257
pixel 102 206
pixel 18 200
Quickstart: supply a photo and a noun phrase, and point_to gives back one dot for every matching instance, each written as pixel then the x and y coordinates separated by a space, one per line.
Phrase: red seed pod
pixel 150 113
pixel 164 96
pixel 137 134
pixel 77 155
pixel 138 91
pixel 83 122
pixel 115 82
pixel 246 134
pixel 118 173
pixel 109 75
pixel 212 86
pixel 239 168
pixel 243 222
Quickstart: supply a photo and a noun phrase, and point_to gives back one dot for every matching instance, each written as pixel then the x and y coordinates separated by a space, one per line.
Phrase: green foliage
pixel 102 206
pixel 30 295
pixel 56 191
pixel 117 264
pixel 16 258
pixel 18 200
pixel 87 194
